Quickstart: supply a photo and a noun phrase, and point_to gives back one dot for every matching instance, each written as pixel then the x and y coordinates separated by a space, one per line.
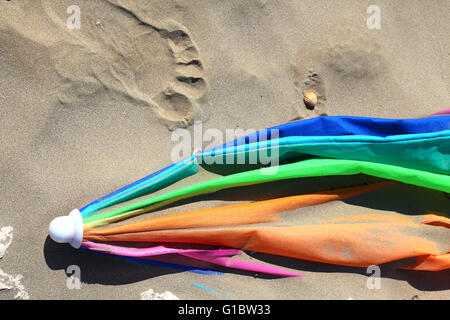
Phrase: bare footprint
pixel 117 49
pixel 307 81
pixel 313 81
pixel 175 108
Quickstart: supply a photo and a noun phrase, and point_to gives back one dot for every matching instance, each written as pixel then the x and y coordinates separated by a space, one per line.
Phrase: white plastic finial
pixel 67 229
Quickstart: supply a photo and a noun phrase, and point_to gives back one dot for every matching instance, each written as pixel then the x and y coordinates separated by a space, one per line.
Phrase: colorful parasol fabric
pixel 411 151
pixel 343 137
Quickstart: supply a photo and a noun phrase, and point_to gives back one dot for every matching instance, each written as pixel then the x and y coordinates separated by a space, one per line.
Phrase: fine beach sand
pixel 84 112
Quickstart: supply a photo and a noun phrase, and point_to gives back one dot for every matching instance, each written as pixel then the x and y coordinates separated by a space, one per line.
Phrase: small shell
pixel 310 99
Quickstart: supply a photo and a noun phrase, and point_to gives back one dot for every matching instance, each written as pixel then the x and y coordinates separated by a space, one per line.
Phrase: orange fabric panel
pixel 372 218
pixel 240 214
pixel 431 263
pixel 351 243
pixel 433 218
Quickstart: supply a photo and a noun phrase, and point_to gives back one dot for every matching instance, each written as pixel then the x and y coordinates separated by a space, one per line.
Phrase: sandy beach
pixel 85 111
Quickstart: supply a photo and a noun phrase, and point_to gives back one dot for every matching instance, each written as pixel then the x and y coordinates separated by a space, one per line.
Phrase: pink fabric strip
pixel 153 251
pixel 441 112
pixel 216 256
pixel 244 265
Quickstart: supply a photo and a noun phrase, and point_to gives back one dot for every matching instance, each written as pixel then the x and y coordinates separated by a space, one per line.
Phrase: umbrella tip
pixel 67 229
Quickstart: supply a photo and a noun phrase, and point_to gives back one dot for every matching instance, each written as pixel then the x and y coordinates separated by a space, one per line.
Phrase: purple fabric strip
pixel 216 256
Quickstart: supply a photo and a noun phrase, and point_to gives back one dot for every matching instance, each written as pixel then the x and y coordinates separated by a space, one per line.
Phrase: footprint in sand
pixel 347 61
pixel 304 82
pixel 120 49
pixel 176 101
pixel 307 71
pixel 313 81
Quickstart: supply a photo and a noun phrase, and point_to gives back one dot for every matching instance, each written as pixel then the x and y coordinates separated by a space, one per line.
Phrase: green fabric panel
pixel 306 168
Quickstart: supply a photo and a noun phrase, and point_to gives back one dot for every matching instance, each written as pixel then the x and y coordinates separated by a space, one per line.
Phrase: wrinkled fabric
pixel 239 214
pixel 358 241
pixel 222 257
pixel 306 168
pixel 424 151
pixel 430 156
pixel 348 125
pixel 412 151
